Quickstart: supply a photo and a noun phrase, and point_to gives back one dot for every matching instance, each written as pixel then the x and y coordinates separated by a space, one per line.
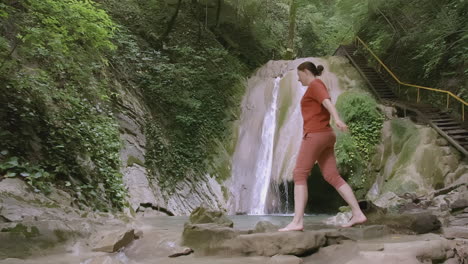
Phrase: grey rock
pixel 451 261
pixel 265 226
pixel 204 237
pixel 455 232
pixel 104 260
pixel 114 241
pixel 459 204
pixel 442 142
pixel 270 244
pixel 213 239
pixel 365 232
pixel 460 220
pixel 285 259
pixel 202 215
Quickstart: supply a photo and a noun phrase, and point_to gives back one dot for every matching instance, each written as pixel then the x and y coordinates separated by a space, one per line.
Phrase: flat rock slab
pixel 285 259
pixel 455 232
pixel 104 260
pixel 279 243
pixel 364 232
pixel 213 239
pixel 201 237
pixel 210 240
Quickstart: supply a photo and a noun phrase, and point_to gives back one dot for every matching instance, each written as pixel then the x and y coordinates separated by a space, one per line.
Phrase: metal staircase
pixel 455 131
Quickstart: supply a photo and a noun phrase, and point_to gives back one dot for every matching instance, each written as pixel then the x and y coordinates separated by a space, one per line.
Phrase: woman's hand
pixel 332 110
pixel 341 125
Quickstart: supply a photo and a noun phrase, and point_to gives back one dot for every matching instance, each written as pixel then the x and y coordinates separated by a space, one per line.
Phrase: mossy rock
pixel 134 160
pixel 202 215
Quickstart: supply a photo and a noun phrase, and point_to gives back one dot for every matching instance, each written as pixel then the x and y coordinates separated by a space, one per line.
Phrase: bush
pixel 354 150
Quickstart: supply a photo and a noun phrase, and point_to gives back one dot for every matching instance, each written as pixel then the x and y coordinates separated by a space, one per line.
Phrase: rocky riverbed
pixel 431 229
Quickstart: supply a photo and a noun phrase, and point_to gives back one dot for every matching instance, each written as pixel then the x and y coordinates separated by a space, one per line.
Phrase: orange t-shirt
pixel 316 116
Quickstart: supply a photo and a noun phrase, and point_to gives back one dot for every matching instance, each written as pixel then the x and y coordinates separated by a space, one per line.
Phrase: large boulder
pixel 404 161
pixel 202 215
pixel 213 239
pixel 282 243
pixel 205 237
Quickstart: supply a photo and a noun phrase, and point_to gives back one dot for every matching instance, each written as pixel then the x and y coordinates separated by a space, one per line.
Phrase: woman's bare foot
pixel 356 219
pixel 292 227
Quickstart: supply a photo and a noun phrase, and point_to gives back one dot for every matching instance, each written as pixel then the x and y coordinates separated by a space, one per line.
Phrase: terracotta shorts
pixel 318 146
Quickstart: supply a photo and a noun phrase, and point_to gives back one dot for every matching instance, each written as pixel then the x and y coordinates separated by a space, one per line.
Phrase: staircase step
pixel 383 89
pixel 446 124
pixel 437 116
pixel 446 128
pixel 442 120
pixel 460 137
pixel 457 132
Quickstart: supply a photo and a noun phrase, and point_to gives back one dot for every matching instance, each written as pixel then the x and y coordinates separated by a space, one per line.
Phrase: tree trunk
pixel 171 23
pixel 292 29
pixel 218 12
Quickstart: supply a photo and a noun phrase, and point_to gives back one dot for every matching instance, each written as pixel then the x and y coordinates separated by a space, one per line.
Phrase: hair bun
pixel 319 69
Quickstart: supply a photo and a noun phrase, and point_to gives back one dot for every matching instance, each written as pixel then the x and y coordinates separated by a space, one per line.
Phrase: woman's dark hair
pixel 315 70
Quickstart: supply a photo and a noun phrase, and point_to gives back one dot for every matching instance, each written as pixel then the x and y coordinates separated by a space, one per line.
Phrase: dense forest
pixel 63 64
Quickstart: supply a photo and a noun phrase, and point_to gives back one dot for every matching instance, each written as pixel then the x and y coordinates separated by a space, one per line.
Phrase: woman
pixel 318 145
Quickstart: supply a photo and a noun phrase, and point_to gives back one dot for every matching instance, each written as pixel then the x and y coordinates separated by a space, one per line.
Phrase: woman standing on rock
pixel 318 143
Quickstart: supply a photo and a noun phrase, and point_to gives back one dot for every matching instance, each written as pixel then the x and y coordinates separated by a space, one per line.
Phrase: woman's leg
pixel 310 148
pixel 348 195
pixel 300 201
pixel 327 163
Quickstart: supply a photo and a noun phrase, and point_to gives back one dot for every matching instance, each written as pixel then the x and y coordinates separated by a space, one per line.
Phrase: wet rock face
pixel 189 193
pixel 414 159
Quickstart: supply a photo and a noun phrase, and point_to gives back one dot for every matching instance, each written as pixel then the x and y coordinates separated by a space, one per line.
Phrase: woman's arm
pixel 332 110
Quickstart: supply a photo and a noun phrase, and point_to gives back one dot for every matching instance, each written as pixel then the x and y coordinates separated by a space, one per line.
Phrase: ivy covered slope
pixel 60 61
pixel 56 109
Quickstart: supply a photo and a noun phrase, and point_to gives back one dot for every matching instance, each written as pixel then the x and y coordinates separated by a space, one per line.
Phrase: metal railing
pixel 419 87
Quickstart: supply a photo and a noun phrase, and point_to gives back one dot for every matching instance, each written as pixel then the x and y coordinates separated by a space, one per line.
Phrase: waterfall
pixel 264 165
pixel 270 130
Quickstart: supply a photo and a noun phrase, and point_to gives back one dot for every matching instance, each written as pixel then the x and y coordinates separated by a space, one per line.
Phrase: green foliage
pixel 359 111
pixel 192 87
pixel 194 92
pixel 354 150
pixel 57 119
pixel 324 25
pixel 33 174
pixel 427 47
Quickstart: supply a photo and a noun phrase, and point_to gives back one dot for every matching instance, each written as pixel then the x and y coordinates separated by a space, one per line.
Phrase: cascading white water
pixel 270 130
pixel 264 165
